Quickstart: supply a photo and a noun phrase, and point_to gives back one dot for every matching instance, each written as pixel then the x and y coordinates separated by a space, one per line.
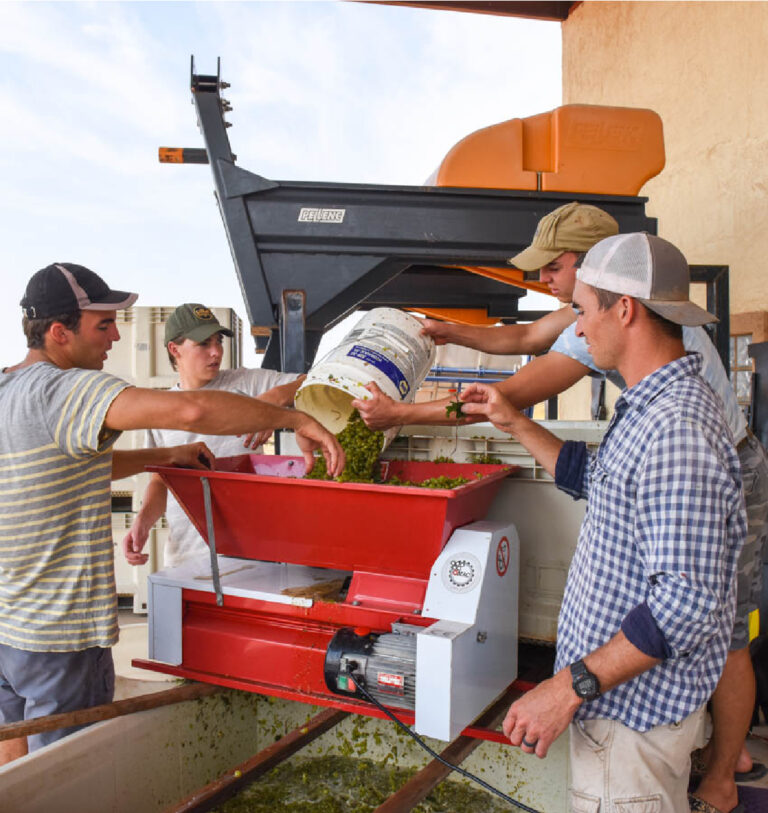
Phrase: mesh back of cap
pixel 621 264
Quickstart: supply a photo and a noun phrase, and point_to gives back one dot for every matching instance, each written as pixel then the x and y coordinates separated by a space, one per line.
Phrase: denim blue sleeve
pixel 643 632
pixel 689 528
pixel 571 469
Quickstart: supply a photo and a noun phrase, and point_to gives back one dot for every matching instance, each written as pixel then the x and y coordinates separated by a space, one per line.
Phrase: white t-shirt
pixel 184 541
pixel 695 340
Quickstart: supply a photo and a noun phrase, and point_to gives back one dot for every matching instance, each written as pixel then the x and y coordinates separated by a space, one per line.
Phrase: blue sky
pixel 322 91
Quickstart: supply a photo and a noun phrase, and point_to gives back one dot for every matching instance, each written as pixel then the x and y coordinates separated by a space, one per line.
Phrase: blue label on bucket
pixel 382 363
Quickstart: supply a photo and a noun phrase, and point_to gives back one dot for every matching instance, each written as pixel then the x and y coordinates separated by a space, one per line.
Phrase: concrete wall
pixel 702 67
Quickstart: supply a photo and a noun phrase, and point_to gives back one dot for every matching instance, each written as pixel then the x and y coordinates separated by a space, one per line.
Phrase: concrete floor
pixel 130 681
pixel 757 745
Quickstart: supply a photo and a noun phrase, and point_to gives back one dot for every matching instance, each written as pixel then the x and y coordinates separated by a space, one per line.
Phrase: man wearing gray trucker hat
pixel 725 759
pixel 648 609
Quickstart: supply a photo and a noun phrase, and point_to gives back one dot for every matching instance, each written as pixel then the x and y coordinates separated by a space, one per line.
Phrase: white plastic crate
pixel 131 580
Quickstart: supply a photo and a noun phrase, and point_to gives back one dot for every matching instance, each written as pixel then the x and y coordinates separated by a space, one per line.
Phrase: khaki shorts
pixel 615 769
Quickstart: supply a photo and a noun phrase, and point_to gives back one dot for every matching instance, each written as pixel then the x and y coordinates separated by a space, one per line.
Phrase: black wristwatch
pixel 585 684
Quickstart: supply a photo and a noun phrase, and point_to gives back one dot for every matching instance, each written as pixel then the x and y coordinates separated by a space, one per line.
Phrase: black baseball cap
pixel 62 288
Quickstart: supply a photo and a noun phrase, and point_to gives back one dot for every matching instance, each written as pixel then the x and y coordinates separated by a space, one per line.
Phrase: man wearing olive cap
pixel 560 241
pixel 194 341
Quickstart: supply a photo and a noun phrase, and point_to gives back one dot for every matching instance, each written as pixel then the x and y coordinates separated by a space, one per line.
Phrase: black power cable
pixel 361 688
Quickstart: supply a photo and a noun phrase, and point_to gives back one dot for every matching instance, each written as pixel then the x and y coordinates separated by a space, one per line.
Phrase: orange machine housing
pixel 578 148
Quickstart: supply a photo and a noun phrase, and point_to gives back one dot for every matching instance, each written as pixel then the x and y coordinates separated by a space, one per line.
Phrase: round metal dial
pixel 461 572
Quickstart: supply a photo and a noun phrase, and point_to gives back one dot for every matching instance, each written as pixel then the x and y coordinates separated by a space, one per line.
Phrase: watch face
pixel 586 687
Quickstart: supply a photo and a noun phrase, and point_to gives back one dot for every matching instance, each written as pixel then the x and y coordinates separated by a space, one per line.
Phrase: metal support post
pixel 292 343
pixel 212 541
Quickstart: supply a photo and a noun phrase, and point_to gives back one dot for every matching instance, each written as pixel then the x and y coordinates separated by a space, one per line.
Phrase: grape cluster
pixel 362 447
pixel 432 482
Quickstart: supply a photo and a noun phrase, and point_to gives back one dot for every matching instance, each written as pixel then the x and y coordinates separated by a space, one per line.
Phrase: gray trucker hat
pixel 647 268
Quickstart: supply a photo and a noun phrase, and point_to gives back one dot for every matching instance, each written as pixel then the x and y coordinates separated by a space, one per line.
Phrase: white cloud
pixel 321 91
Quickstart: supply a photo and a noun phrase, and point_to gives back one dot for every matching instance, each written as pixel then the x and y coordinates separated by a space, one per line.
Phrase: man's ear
pixel 173 349
pixel 59 334
pixel 626 308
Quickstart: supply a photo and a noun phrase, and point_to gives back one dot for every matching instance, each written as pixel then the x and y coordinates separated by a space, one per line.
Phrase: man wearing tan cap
pixel 726 759
pixel 647 615
pixel 560 241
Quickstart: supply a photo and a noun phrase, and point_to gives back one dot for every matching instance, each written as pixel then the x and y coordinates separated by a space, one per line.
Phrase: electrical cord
pixel 361 688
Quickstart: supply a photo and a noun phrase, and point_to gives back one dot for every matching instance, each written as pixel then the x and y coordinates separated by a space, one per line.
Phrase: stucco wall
pixel 703 67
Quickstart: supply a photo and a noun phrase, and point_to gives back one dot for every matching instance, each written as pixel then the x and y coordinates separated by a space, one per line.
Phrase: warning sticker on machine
pixel 391 683
pixel 502 556
pixel 381 362
pixel 310 214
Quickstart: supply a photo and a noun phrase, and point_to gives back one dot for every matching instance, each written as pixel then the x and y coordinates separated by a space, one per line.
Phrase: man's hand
pixel 440 332
pixel 541 715
pixel 310 435
pixel 191 456
pixel 134 541
pixel 256 439
pixel 379 412
pixel 487 401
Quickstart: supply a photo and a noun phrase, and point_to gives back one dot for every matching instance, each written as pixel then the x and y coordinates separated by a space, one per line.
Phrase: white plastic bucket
pixel 386 347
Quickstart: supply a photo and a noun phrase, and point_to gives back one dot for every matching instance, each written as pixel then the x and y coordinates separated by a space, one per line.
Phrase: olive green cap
pixel 193 321
pixel 573 227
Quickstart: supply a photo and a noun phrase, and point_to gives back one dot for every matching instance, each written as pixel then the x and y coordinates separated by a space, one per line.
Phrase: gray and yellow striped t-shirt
pixel 57 584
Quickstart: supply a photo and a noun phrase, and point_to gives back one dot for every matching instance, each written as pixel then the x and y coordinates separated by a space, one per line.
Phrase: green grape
pixel 362 447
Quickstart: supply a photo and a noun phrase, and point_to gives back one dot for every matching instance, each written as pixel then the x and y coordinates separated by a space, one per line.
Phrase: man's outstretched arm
pixel 506 340
pixel 543 378
pixel 216 412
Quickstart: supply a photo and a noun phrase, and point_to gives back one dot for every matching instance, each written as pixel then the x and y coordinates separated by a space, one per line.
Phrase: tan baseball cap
pixel 647 268
pixel 573 227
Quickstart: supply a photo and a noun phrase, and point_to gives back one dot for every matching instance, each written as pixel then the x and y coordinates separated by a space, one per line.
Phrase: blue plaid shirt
pixel 664 526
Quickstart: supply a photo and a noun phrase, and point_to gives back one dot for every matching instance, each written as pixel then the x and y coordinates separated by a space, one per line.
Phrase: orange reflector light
pixel 170 155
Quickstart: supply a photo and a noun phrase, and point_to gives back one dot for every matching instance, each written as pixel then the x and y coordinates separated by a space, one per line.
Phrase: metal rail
pixel 232 782
pixel 107 711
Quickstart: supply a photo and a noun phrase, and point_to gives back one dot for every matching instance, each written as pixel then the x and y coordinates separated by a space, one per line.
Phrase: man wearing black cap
pixel 59 417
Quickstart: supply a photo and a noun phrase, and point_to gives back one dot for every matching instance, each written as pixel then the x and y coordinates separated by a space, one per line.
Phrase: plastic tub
pixel 386 347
